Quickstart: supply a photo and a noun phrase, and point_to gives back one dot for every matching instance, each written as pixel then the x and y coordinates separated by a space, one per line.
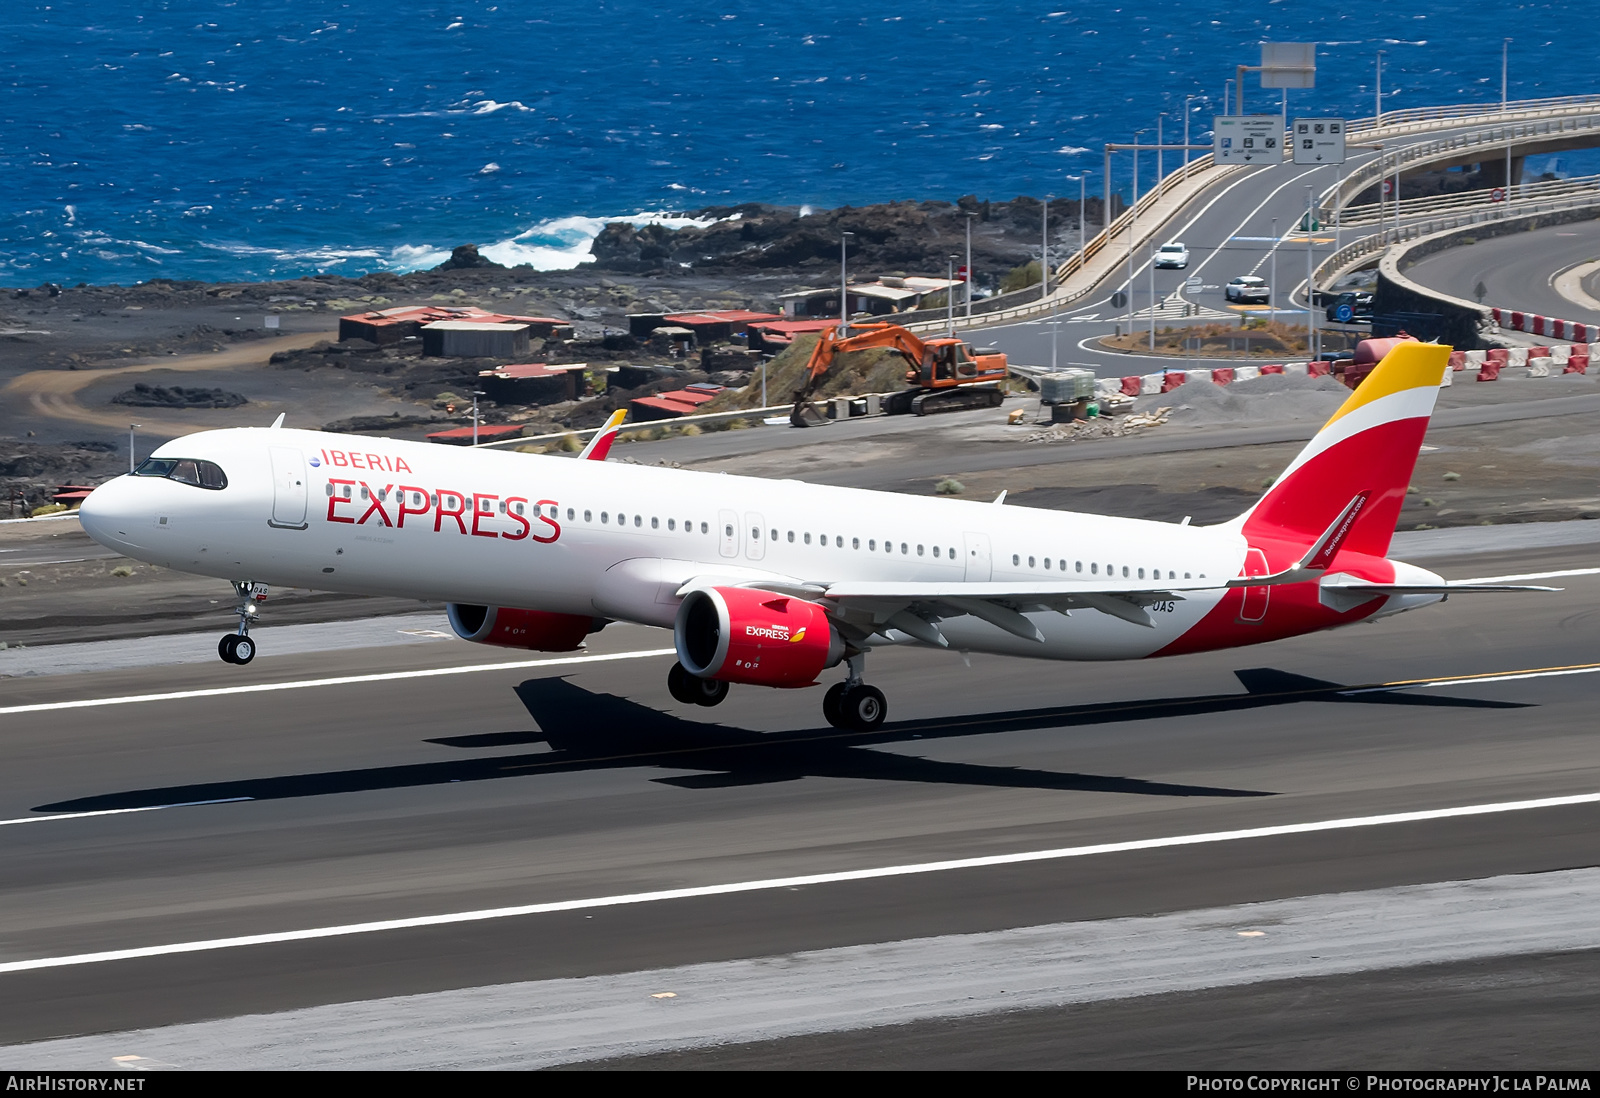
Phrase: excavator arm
pixel 830 344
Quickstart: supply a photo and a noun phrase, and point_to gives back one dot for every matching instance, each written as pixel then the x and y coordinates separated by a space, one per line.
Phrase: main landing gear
pixel 693 690
pixel 237 647
pixel 853 705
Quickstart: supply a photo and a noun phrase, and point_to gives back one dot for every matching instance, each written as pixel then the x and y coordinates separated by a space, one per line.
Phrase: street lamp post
pixel 1044 252
pixel 1133 219
pixel 1505 54
pixel 967 286
pixel 1186 101
pixel 132 427
pixel 476 393
pixel 1377 102
pixel 844 282
pixel 1272 276
pixel 950 299
pixel 1311 286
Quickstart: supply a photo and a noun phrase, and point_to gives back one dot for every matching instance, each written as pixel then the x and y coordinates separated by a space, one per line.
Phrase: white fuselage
pixel 617 540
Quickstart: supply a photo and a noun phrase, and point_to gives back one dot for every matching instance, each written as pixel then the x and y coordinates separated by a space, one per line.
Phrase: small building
pixel 533 382
pixel 772 336
pixel 487 432
pixel 388 326
pixel 474 339
pixel 673 404
pixel 886 295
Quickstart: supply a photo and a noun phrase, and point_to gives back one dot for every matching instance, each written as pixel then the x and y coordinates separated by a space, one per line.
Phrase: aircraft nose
pixel 109 514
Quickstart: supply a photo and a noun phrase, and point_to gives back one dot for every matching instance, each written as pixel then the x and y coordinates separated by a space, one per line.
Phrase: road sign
pixel 1246 139
pixel 1388 186
pixel 1192 283
pixel 1118 299
pixel 1288 64
pixel 1343 314
pixel 1309 224
pixel 1318 140
pixel 1497 195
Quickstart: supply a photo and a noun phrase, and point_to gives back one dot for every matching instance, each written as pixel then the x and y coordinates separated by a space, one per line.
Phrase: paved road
pixel 415 795
pixel 1518 271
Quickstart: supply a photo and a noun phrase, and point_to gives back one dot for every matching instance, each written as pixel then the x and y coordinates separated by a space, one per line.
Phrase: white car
pixel 1172 255
pixel 1248 290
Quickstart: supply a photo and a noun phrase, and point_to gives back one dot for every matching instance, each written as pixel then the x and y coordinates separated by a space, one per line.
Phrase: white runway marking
pixel 1533 576
pixel 379 926
pixel 119 811
pixel 342 680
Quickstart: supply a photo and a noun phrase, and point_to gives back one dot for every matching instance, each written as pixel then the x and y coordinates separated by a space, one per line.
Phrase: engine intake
pixel 736 634
pixel 509 627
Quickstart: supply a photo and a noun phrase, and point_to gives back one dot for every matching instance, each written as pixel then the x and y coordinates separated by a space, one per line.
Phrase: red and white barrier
pixel 1534 324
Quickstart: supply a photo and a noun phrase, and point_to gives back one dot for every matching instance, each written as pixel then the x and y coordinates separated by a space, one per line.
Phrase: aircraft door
pixel 728 533
pixel 979 568
pixel 755 537
pixel 1254 606
pixel 288 488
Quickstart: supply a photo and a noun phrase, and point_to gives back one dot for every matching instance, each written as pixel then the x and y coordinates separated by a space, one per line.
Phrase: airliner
pixel 771 583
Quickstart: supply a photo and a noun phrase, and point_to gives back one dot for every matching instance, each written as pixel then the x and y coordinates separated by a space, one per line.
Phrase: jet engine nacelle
pixel 509 627
pixel 736 634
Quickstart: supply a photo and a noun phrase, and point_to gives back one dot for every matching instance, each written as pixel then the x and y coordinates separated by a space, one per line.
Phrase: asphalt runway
pixel 395 795
pixel 1517 271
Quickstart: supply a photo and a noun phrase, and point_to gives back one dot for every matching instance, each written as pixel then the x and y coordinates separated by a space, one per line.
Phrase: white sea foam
pixel 557 245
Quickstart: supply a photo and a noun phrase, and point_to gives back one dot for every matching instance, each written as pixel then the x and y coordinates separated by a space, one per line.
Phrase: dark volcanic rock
pixel 465 257
pixel 177 396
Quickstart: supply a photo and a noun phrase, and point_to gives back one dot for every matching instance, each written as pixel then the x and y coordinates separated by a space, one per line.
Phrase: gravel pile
pixel 1271 398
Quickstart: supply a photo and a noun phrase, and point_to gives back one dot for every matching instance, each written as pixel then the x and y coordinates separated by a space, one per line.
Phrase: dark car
pixel 1360 304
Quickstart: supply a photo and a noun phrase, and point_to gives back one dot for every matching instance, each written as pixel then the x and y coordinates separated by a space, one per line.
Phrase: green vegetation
pixel 949 486
pixel 1020 278
pixel 568 444
pixel 122 570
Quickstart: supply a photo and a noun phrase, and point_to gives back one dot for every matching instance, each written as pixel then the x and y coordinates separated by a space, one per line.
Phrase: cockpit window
pixel 201 474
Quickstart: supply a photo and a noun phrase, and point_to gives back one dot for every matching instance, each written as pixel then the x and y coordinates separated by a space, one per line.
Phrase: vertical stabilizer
pixel 1369 447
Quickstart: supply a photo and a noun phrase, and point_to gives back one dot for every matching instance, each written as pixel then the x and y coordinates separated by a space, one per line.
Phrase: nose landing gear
pixel 853 705
pixel 237 647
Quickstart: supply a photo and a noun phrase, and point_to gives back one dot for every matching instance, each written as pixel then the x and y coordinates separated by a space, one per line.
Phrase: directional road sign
pixel 1118 299
pixel 1318 140
pixel 1343 314
pixel 1246 139
pixel 1192 283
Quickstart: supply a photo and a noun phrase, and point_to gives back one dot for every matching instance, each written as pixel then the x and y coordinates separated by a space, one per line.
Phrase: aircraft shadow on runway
pixel 583 731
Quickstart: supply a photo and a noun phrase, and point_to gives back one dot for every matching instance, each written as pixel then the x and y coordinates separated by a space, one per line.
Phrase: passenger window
pixel 919 550
pixel 655 523
pixel 1077 566
pixel 364 489
pixel 328 487
pixel 1094 569
pixel 570 512
pixel 903 549
pixel 808 539
pixel 855 543
pixel 1124 571
pixel 774 533
pixel 1141 573
pixel 588 516
pixel 755 533
pixel 1015 559
pixel 936 551
pixel 605 516
pixel 791 537
pixel 502 507
pixel 638 521
pixel 672 524
pixel 1030 562
pixel 728 531
pixel 838 541
pixel 872 545
pixel 705 527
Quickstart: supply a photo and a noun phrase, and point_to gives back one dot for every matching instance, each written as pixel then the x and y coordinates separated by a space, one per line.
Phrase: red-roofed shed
pixel 487 432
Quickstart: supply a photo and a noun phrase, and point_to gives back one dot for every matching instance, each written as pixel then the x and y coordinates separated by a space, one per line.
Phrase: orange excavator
pixel 949 375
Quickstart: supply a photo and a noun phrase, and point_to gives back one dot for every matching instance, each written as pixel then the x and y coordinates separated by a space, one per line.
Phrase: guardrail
pixel 1373 213
pixel 1351 255
pixel 1371 173
pixel 1397 120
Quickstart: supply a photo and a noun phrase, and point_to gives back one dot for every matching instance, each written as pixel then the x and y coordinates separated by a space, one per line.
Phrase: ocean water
pixel 266 139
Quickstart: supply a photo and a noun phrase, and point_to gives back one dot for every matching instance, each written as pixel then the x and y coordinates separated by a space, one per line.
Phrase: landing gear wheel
pixel 236 649
pixel 681 685
pixel 863 709
pixel 832 703
pixel 709 692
